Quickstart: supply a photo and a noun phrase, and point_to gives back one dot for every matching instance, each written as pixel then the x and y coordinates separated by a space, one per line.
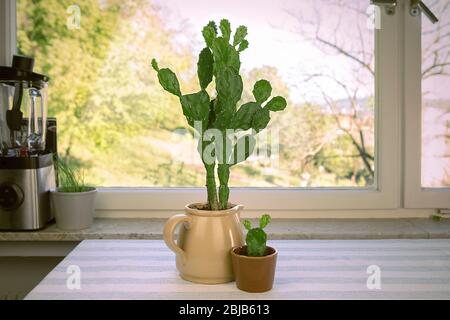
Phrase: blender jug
pixel 23 109
pixel 27 173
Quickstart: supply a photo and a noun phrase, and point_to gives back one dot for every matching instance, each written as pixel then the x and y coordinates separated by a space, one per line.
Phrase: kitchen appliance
pixel 28 146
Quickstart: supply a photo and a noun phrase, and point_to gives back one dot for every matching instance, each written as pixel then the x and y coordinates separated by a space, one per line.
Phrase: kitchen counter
pixel 291 229
pixel 313 269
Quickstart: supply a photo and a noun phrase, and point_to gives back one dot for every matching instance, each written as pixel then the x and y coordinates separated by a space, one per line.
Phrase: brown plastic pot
pixel 254 274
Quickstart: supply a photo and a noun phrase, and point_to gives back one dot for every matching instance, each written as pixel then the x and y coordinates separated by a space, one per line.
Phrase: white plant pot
pixel 73 210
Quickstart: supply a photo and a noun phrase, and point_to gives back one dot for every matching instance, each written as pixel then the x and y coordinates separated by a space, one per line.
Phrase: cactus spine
pixel 220 61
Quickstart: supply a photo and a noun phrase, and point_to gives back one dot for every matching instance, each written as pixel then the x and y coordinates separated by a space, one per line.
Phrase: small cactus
pixel 220 61
pixel 256 237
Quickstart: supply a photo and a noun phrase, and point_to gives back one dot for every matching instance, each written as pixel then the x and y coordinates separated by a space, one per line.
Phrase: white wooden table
pixel 306 269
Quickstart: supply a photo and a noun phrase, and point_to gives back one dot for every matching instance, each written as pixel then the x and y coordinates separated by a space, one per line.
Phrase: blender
pixel 28 146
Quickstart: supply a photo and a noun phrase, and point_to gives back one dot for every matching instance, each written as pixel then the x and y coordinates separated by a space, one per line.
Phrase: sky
pixel 272 37
pixel 275 41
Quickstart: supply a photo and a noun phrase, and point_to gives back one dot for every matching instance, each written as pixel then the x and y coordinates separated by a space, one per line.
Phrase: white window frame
pixel 386 199
pixel 386 194
pixel 7 31
pixel 415 195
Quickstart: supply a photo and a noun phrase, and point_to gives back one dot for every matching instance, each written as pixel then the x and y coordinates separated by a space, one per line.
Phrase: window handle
pixel 418 6
pixel 388 5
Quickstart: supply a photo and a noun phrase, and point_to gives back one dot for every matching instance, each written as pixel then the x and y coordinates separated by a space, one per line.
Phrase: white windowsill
pixel 151 229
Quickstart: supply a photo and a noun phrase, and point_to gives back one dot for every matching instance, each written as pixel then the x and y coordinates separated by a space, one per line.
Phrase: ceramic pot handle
pixel 169 229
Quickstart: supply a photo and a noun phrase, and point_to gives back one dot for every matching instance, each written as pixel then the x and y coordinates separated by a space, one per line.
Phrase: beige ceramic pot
pixel 204 242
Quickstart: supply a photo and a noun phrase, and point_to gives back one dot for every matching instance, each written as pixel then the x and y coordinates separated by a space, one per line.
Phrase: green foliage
pixel 70 179
pixel 276 104
pixel 261 119
pixel 205 68
pixel 225 56
pixel 225 28
pixel 262 90
pixel 243 118
pixel 220 60
pixel 155 65
pixel 243 45
pixel 264 221
pixel 195 106
pixel 333 159
pixel 247 224
pixel 256 237
pixel 228 87
pixel 210 33
pixel 167 79
pixel 239 35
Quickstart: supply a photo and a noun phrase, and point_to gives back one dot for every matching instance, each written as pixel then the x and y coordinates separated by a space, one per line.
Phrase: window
pixel 338 145
pixel 427 109
pixel 436 98
pixel 111 106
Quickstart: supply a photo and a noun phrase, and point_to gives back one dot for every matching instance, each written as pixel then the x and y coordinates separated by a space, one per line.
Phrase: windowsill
pixel 291 229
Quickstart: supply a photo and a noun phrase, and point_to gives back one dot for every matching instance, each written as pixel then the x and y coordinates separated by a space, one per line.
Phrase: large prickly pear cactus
pixel 220 61
pixel 256 237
